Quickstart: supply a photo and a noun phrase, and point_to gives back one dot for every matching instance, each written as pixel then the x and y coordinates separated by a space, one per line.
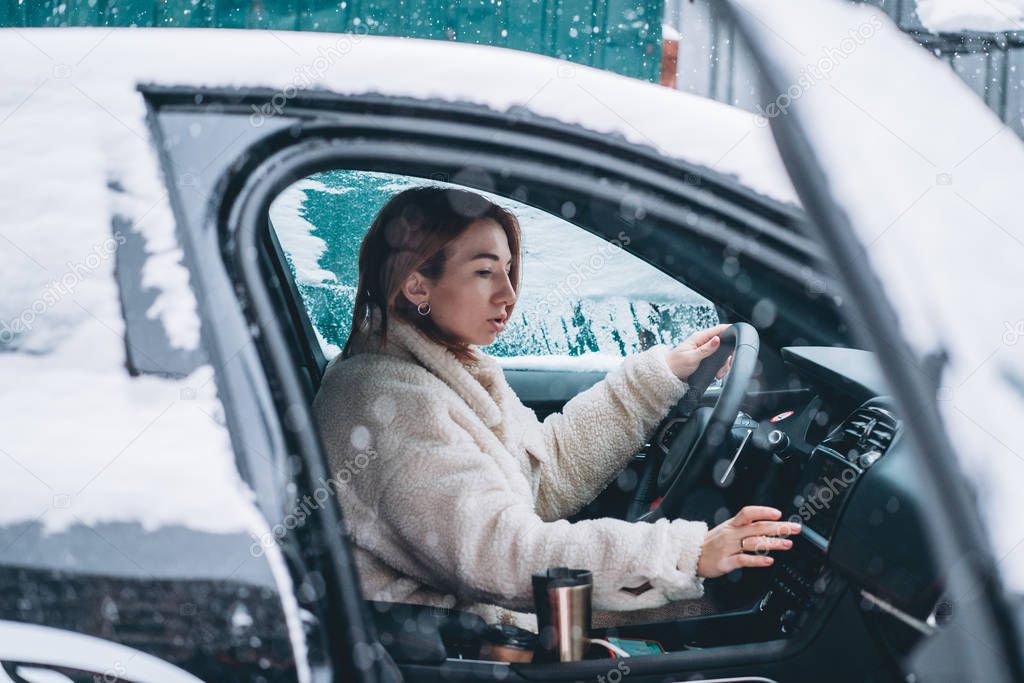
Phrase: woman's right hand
pixel 684 359
pixel 754 529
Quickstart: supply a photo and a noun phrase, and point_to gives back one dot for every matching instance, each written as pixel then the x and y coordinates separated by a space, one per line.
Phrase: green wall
pixel 620 35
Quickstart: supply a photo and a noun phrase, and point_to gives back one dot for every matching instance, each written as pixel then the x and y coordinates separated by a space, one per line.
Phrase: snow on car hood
pixel 931 181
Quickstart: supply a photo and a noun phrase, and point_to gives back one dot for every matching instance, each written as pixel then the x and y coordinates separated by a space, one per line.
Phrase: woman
pixel 453 491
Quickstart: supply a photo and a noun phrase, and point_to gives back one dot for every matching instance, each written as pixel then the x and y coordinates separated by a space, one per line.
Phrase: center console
pixel 801 580
pixel 799 589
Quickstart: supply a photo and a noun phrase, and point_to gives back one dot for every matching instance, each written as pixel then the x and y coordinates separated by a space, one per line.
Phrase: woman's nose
pixel 506 294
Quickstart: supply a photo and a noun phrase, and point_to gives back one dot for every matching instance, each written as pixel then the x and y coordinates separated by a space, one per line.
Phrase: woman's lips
pixel 497 323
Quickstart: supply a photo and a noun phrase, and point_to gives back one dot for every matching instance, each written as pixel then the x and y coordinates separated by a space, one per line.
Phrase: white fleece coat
pixel 454 493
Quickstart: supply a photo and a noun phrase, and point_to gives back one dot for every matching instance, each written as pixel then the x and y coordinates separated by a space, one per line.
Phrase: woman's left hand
pixel 684 359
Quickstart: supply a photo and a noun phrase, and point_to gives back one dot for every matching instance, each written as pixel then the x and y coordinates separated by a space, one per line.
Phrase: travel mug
pixel 561 597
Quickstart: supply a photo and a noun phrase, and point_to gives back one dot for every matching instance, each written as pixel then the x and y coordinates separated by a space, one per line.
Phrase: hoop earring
pixel 421 310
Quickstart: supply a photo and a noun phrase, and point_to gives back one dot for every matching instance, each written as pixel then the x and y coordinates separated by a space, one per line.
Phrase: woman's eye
pixel 483 273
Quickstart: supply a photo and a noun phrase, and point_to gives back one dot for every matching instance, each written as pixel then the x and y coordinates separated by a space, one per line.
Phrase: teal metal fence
pixel 619 35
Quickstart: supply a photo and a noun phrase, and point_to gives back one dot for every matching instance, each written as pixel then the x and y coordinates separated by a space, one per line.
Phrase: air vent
pixel 869 428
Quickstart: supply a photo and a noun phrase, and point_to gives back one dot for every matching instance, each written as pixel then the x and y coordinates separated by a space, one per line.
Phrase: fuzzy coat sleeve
pixel 601 429
pixel 468 525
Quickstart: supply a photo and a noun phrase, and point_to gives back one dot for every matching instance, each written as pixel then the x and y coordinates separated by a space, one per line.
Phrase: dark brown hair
pixel 411 233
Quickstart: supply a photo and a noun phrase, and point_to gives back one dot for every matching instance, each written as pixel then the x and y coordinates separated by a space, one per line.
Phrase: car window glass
pixel 583 302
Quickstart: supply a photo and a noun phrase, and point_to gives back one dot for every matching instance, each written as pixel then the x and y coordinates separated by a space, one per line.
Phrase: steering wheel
pixel 694 454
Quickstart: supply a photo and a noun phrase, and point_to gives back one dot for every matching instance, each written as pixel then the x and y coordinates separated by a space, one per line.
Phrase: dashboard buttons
pixel 778 441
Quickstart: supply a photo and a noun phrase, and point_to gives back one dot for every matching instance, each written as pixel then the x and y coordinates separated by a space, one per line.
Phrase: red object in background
pixel 669 62
pixel 782 416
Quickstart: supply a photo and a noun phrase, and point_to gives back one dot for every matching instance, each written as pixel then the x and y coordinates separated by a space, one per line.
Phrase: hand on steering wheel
pixel 726 547
pixel 685 358
pixel 676 485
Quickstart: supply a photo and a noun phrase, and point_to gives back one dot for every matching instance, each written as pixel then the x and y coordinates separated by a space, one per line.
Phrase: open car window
pixel 584 302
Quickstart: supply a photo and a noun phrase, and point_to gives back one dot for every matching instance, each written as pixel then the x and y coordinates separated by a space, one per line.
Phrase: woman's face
pixel 471 299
